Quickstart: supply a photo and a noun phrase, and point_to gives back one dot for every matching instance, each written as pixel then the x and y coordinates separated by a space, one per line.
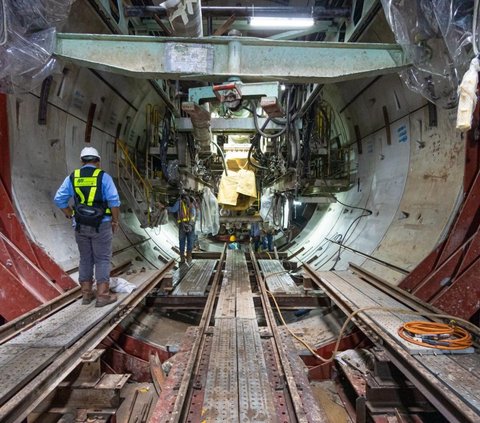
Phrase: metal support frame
pixel 26 271
pixel 175 412
pixel 218 58
pixel 256 90
pixel 318 12
pixel 285 302
pixel 450 406
pixel 232 126
pixel 31 395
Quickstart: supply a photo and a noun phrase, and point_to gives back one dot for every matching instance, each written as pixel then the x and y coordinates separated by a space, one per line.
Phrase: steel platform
pixel 276 278
pixel 35 361
pixel 236 371
pixel 196 278
pixel 455 376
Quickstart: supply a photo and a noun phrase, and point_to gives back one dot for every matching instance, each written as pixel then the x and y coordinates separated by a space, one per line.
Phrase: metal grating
pixel 221 396
pixel 196 280
pixel 277 279
pixel 465 383
pixel 20 369
pixel 360 294
pixel 65 327
pixel 255 394
pixel 235 297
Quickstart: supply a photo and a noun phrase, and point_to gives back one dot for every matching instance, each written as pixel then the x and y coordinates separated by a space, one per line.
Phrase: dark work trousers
pixel 95 252
pixel 186 236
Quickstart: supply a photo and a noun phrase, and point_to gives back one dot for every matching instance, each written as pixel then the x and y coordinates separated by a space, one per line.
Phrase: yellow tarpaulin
pixel 238 183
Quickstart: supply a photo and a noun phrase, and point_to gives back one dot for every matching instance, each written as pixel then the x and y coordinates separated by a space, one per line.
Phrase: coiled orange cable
pixel 436 335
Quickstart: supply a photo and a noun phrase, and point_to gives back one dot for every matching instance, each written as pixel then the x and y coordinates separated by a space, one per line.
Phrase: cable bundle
pixel 436 335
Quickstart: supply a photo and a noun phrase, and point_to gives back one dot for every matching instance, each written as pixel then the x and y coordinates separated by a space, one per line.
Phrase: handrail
pixel 147 187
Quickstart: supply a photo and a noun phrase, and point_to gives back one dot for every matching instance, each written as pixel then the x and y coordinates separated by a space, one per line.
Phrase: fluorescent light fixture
pixel 271 22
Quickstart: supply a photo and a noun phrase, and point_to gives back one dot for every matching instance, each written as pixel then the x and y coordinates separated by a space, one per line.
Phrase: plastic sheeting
pixel 30 32
pixel 266 205
pixel 210 215
pixel 436 35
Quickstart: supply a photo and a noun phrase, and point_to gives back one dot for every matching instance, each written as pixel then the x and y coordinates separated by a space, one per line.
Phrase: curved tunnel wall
pixel 412 187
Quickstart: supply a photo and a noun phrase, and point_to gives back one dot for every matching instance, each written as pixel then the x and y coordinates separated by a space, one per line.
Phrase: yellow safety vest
pixel 85 184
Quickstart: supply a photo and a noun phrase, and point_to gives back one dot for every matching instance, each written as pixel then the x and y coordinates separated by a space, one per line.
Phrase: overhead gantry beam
pixel 216 59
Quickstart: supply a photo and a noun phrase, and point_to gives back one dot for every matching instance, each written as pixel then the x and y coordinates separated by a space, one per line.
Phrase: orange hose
pixel 436 335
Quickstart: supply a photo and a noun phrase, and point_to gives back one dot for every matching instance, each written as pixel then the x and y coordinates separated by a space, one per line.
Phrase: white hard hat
pixel 89 152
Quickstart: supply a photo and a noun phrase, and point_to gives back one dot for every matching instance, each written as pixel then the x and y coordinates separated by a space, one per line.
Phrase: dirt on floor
pixel 330 402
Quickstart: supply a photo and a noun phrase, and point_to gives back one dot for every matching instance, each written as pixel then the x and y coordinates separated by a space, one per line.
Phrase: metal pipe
pixel 368 256
pixel 319 13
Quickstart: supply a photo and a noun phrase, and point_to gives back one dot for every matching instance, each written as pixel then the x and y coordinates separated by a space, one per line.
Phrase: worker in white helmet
pixel 96 212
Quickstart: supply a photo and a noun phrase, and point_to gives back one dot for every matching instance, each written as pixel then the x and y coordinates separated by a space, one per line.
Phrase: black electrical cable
pixel 264 134
pixel 164 144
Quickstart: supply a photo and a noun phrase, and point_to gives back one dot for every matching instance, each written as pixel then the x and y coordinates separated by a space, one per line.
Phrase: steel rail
pixel 27 320
pixel 452 407
pixel 185 391
pixel 406 297
pixel 284 362
pixel 34 392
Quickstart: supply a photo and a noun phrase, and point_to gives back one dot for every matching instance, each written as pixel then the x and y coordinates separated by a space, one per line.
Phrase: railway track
pixel 233 369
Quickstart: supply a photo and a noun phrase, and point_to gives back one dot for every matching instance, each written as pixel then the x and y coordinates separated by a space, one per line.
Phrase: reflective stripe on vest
pixel 87 186
pixel 183 213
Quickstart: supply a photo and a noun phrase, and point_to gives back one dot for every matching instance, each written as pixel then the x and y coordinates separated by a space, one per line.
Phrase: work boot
pixel 103 295
pixel 87 292
pixel 189 257
pixel 182 259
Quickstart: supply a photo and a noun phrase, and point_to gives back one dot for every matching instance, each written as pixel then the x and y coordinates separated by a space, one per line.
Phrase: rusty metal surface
pixel 196 280
pixel 64 358
pixel 255 393
pixel 26 271
pixel 301 414
pixel 236 371
pixel 440 277
pixel 235 297
pixel 221 396
pixel 277 279
pixel 463 382
pixel 360 294
pixel 166 402
pixel 23 364
pixel 461 298
pixel 310 406
pixel 454 407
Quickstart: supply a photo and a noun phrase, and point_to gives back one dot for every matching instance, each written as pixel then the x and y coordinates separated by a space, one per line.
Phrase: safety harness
pixel 183 212
pixel 90 207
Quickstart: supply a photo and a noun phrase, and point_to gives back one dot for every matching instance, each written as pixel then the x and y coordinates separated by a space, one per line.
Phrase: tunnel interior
pixel 343 147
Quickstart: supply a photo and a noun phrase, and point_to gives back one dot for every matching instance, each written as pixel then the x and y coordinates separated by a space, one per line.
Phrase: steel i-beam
pixel 216 59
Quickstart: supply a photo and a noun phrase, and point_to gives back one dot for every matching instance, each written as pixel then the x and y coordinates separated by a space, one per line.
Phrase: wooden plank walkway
pixel 196 279
pixel 277 279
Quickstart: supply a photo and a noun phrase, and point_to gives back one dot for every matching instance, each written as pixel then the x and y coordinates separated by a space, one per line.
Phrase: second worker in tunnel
pixel 96 216
pixel 186 213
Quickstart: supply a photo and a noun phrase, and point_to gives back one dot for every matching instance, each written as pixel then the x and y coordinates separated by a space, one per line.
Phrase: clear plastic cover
pixel 30 32
pixel 210 215
pixel 436 35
